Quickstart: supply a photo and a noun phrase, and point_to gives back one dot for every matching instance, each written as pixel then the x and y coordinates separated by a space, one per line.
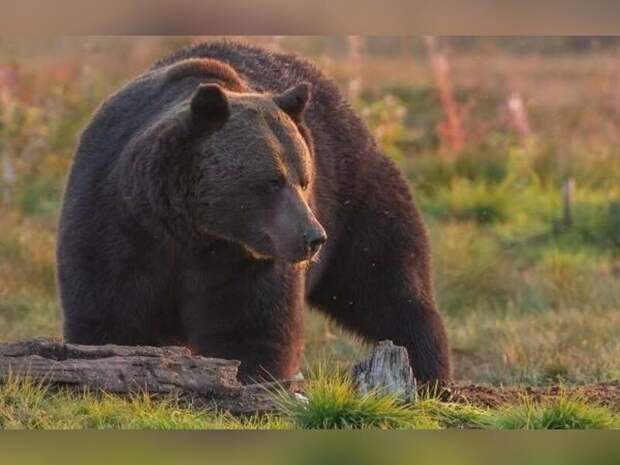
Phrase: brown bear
pixel 214 195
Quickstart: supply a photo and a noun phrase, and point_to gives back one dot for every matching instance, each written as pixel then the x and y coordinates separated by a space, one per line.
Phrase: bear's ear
pixel 294 100
pixel 210 106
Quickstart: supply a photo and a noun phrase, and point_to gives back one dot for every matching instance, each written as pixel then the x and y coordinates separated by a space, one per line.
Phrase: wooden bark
pixel 387 370
pixel 124 369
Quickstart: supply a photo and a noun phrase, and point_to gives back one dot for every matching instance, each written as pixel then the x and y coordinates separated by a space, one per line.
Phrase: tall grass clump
pixel 332 403
pixel 563 412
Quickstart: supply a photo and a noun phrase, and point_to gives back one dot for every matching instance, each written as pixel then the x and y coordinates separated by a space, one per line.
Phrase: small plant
pixel 563 412
pixel 332 403
pixel 452 415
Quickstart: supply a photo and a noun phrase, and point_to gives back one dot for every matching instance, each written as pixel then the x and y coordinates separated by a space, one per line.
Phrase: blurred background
pixel 511 147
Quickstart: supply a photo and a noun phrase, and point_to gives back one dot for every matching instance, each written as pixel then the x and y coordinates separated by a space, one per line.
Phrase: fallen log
pixel 212 382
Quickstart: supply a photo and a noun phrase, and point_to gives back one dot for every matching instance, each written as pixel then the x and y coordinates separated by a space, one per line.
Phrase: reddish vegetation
pixel 8 82
pixel 450 130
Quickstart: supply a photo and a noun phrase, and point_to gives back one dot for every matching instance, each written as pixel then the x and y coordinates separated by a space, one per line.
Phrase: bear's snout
pixel 314 240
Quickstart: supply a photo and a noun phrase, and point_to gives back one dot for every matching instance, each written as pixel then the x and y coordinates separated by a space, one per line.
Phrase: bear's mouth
pixel 262 248
pixel 255 254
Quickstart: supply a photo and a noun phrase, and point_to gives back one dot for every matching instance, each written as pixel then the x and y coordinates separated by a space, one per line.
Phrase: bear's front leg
pixel 255 317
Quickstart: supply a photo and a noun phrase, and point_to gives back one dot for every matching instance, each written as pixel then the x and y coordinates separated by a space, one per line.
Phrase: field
pixel 529 298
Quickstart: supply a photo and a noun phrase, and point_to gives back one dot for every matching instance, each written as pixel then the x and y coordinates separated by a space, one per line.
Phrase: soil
pixel 606 394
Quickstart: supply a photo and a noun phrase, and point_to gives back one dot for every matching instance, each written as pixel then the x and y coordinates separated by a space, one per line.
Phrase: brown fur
pixel 200 196
pixel 207 71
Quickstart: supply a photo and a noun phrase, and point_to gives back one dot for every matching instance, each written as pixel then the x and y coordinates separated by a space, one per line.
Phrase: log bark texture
pixel 123 369
pixel 387 371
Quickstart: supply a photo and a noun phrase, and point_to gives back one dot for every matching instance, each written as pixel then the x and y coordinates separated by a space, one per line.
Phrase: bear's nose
pixel 314 240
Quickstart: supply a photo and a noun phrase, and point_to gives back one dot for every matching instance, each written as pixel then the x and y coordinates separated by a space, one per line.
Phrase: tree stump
pixel 126 369
pixel 386 371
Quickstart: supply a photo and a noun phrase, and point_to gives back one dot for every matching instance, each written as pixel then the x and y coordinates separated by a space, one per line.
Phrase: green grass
pixel 560 413
pixel 28 405
pixel 331 404
pixel 450 415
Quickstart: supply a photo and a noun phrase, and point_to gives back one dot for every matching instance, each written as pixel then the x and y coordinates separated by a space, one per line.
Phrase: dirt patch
pixel 607 394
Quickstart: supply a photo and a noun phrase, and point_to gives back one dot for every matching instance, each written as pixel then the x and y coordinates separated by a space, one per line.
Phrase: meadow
pixel 528 298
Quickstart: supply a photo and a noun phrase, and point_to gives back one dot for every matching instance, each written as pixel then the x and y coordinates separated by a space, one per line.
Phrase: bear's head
pixel 253 171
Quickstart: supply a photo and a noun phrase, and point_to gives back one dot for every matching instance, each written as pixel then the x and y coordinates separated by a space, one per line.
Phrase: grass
pixel 537 348
pixel 28 405
pixel 449 415
pixel 560 413
pixel 331 404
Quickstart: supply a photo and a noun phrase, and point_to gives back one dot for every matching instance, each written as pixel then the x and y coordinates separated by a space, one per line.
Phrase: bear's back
pixel 263 70
pixel 266 71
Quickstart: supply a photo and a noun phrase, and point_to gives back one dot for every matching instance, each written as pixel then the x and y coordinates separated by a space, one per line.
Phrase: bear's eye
pixel 276 184
pixel 304 185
